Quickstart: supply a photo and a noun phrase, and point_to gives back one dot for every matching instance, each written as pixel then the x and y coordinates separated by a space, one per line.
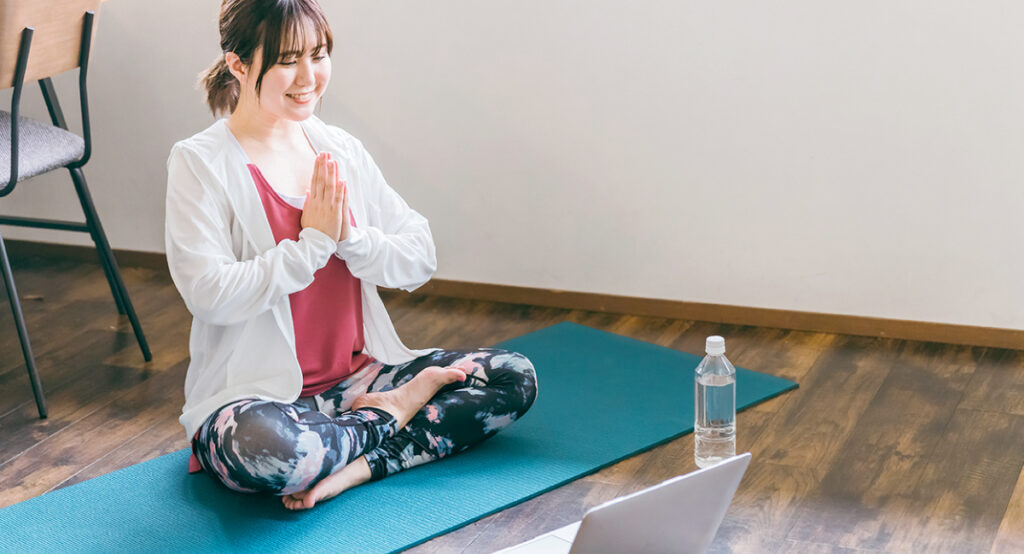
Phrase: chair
pixel 39 39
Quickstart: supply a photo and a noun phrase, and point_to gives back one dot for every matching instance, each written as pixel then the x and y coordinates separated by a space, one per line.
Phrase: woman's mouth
pixel 302 97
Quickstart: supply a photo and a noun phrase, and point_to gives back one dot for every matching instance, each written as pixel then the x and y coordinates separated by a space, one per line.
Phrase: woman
pixel 279 230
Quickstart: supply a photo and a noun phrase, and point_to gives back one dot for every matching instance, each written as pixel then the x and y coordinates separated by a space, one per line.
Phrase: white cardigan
pixel 235 280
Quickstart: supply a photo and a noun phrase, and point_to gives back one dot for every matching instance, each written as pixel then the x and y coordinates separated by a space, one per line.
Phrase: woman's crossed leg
pixel 386 419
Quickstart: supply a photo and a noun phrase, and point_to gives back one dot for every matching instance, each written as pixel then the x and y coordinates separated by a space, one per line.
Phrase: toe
pixel 455 374
pixel 295 501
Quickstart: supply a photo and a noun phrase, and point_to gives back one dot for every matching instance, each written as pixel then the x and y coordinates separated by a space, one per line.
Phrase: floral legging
pixel 261 445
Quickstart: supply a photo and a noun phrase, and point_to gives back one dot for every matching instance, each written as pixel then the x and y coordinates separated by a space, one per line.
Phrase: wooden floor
pixel 887 445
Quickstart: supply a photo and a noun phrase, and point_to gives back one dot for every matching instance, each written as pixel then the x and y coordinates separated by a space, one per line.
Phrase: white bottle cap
pixel 715 345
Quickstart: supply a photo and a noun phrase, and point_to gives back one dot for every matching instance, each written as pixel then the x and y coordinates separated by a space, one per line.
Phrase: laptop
pixel 678 515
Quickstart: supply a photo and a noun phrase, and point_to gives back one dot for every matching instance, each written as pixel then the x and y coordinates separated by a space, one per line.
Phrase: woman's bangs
pixel 284 32
pixel 301 21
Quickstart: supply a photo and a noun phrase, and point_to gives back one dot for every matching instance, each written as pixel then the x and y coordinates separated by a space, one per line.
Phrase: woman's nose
pixel 304 75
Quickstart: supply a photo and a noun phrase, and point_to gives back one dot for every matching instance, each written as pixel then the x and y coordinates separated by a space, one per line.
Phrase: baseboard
pixel 125 258
pixel 739 315
pixel 719 313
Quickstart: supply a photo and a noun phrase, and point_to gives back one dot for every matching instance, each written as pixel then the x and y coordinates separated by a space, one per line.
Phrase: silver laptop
pixel 679 515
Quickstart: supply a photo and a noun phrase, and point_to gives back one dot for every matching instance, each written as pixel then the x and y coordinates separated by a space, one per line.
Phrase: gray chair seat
pixel 41 148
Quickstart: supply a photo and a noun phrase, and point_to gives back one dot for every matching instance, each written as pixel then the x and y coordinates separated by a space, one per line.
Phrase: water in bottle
pixel 714 430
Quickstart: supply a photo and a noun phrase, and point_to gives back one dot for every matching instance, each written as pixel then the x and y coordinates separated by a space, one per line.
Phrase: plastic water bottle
pixel 714 423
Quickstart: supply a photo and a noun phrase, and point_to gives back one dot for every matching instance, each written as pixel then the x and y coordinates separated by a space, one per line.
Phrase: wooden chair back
pixel 56 41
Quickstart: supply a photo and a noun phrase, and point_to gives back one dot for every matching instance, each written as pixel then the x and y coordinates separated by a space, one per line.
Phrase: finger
pixel 339 190
pixel 317 185
pixel 324 177
pixel 332 182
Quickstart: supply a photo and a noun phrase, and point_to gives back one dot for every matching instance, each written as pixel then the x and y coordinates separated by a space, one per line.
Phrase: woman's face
pixel 291 87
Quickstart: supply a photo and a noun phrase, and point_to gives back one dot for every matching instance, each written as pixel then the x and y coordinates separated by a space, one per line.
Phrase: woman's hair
pixel 275 26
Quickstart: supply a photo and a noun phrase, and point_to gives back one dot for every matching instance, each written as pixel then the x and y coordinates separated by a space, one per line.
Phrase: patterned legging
pixel 260 445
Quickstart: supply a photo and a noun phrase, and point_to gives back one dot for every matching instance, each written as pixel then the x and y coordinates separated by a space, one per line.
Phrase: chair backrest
pixel 56 42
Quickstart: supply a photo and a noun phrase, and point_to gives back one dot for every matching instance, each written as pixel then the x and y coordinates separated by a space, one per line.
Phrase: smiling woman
pixel 266 39
pixel 279 230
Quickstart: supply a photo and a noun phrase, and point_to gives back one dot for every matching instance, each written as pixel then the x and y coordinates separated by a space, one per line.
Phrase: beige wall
pixel 856 158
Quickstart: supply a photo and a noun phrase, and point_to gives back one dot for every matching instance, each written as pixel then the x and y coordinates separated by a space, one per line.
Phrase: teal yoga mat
pixel 603 397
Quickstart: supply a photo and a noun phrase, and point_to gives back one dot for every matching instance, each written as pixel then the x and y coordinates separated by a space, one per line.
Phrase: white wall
pixel 857 158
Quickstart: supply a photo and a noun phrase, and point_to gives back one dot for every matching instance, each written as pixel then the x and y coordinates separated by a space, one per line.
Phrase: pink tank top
pixel 328 314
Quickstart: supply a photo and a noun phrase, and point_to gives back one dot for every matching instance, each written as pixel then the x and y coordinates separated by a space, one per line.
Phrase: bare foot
pixel 404 401
pixel 356 473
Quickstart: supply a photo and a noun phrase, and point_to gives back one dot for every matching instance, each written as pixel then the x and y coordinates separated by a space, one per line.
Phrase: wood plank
pixel 1010 537
pixel 64 454
pixel 998 383
pixel 166 322
pixel 761 512
pixel 59 312
pixel 74 398
pixel 95 359
pixel 163 437
pixel 966 486
pixel 655 330
pixel 826 407
pixel 867 489
pixel 50 323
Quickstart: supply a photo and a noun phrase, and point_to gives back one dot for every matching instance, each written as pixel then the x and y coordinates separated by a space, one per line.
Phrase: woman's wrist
pixel 320 242
pixel 355 244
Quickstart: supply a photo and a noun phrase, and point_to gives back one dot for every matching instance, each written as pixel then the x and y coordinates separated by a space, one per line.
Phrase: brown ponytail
pixel 221 87
pixel 248 25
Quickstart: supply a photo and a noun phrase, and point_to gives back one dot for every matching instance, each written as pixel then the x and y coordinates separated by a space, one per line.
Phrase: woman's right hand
pixel 323 208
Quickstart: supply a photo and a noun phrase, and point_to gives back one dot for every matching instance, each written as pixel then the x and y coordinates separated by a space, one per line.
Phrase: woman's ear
pixel 235 66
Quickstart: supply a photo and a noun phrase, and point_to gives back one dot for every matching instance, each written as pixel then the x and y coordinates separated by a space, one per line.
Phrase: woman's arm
pixel 394 248
pixel 216 287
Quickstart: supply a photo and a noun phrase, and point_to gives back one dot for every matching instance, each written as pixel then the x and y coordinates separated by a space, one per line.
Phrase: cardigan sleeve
pixel 394 247
pixel 216 286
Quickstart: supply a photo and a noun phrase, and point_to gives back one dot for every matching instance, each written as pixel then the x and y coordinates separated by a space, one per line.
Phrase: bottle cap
pixel 715 345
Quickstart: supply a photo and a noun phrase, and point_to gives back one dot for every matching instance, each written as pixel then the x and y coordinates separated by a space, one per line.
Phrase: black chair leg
pixel 109 273
pixel 107 258
pixel 19 320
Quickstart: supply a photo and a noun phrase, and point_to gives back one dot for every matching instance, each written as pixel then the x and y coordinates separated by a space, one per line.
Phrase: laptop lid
pixel 678 515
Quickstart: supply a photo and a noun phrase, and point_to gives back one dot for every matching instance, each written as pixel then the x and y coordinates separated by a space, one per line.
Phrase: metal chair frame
pixel 92 221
